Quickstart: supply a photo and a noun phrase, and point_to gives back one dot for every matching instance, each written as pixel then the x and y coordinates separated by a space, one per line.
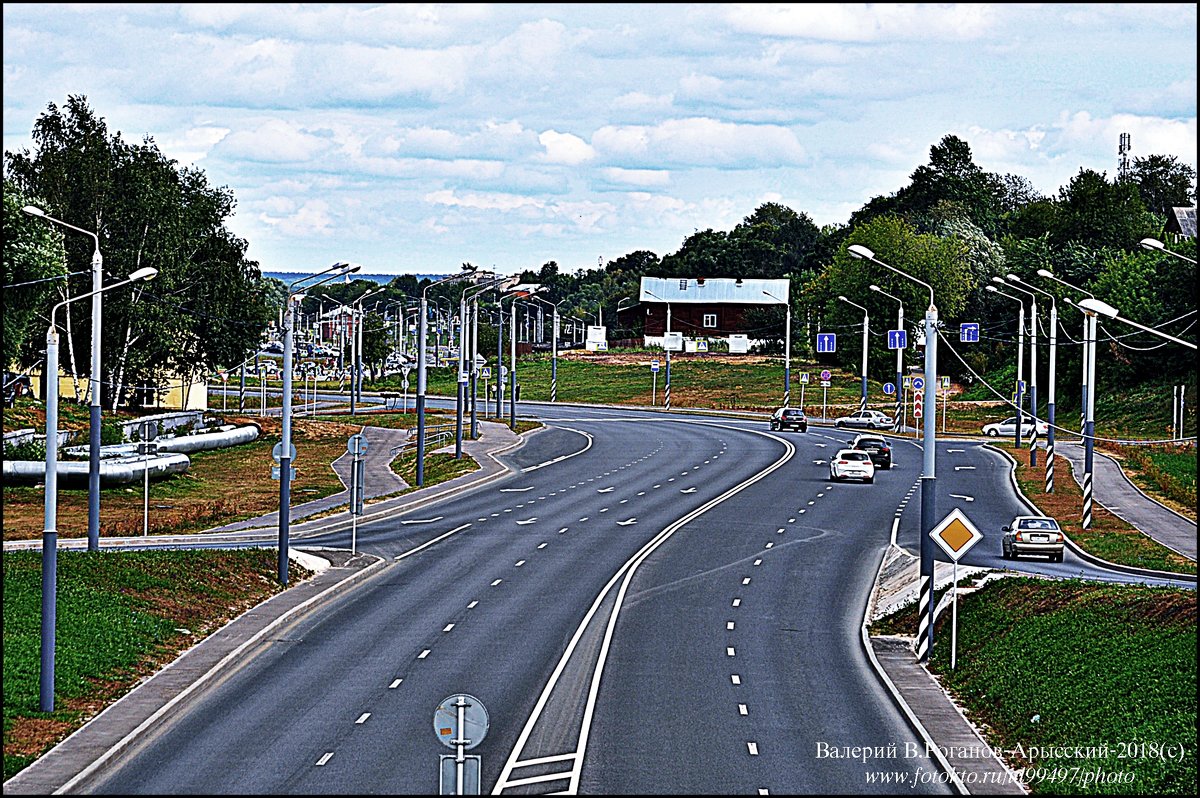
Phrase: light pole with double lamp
pixel 929 462
pixel 1050 397
pixel 1033 405
pixel 339 269
pixel 466 359
pixel 899 356
pixel 356 374
pixel 787 349
pixel 423 326
pixel 862 402
pixel 1018 398
pixel 50 509
pixel 553 344
pixel 94 378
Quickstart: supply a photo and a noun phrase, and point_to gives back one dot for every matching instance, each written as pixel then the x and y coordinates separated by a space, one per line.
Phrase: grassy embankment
pixel 121 616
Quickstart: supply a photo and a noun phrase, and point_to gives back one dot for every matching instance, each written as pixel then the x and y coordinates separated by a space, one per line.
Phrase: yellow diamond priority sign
pixel 955 534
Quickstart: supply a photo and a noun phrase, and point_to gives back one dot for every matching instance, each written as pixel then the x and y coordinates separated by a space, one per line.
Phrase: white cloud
pixel 565 148
pixel 699 141
pixel 640 101
pixel 310 219
pixel 862 22
pixel 274 141
pixel 637 177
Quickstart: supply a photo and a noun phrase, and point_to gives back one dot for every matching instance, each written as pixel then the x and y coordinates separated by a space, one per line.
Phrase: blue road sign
pixel 897 339
pixel 969 333
pixel 826 342
pixel 888 388
pixel 918 383
pixel 825 375
pixel 804 378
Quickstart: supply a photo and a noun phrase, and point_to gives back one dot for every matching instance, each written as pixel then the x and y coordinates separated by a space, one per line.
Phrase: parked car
pixel 15 386
pixel 789 418
pixel 1008 427
pixel 852 464
pixel 878 448
pixel 1032 534
pixel 865 419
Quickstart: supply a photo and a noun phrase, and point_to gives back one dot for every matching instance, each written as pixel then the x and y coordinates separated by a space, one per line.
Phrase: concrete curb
pixel 1083 555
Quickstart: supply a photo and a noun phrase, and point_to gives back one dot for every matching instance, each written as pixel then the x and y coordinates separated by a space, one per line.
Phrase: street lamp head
pixel 33 210
pixel 859 251
pixel 843 298
pixel 1094 305
pixel 1045 273
pixel 991 288
pixel 347 267
pixel 998 279
pixel 144 273
pixel 1148 243
pixel 874 287
pixel 1013 278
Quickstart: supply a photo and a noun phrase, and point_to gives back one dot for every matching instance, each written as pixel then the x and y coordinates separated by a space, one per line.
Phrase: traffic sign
pixel 889 388
pixel 654 365
pixel 918 404
pixel 470 731
pixel 480 361
pixel 277 452
pixel 945 382
pixel 404 383
pixel 826 375
pixel 968 333
pixel 702 346
pixel 486 372
pixel 357 444
pixel 824 383
pixel 826 342
pixel 275 472
pixel 897 339
pixel 148 430
pixel 462 376
pixel 908 382
pixel 955 534
pixel 804 378
pixel 918 383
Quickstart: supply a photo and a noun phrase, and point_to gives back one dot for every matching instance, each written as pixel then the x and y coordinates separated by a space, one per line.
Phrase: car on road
pixel 865 419
pixel 877 447
pixel 1032 534
pixel 1008 427
pixel 789 418
pixel 852 464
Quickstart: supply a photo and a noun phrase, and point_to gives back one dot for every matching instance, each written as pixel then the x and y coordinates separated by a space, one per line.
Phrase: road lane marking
pixel 609 489
pixel 515 490
pixel 729 625
pixel 746 581
pixel 395 684
pixel 960 496
pixel 564 529
pixel 542 546
pixel 688 490
pixel 498 581
pixel 737 602
pixel 735 678
pixel 471 606
pixel 758 562
pixel 424 654
pixel 753 748
pixel 527 521
pixel 325 759
pixel 964 468
pixel 363 717
pixel 743 709
pixel 729 651
pixel 627 522
pixel 431 542
pixel 424 520
pixel 449 626
pixel 895 527
pixel 519 563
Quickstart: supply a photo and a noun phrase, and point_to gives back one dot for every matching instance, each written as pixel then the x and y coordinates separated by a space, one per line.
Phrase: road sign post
pixel 357 446
pixel 956 535
pixel 653 380
pixel 461 723
pixel 147 431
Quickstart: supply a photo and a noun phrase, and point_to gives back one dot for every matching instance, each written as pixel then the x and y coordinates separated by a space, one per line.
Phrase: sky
pixel 413 138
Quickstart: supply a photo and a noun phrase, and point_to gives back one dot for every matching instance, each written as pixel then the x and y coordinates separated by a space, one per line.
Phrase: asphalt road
pixel 648 605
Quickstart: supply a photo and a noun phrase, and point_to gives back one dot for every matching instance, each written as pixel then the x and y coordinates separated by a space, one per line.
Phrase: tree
pixel 208 305
pixel 1097 214
pixel 1163 183
pixel 33 253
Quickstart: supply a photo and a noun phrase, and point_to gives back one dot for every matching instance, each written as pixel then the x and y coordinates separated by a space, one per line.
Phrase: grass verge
pixel 1078 681
pixel 1168 473
pixel 120 617
pixel 1110 537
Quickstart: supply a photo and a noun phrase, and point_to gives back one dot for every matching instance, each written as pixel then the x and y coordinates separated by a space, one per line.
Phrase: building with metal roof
pixel 700 307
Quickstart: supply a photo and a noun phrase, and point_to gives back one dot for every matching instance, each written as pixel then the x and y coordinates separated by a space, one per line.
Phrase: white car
pixel 852 464
pixel 1008 427
pixel 865 419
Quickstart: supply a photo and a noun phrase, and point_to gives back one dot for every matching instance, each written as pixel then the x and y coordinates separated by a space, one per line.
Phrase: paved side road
pixel 1113 490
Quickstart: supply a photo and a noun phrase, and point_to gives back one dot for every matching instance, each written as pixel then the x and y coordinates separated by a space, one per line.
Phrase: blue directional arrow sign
pixel 826 342
pixel 897 339
pixel 968 333
pixel 889 388
pixel 918 383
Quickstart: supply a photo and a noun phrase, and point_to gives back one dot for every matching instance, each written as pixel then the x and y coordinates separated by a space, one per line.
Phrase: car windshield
pixel 1039 523
pixel 874 443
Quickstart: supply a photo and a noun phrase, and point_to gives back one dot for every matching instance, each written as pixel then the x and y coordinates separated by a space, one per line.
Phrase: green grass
pixel 1068 663
pixel 1170 471
pixel 120 615
pixel 439 467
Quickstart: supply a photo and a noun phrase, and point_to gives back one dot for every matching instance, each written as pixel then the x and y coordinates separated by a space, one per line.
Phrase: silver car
pixel 865 419
pixel 1032 534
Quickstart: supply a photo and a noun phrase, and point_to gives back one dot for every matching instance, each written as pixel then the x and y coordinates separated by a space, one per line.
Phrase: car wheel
pixel 993 433
pixel 804 429
pixel 1004 555
pixel 870 480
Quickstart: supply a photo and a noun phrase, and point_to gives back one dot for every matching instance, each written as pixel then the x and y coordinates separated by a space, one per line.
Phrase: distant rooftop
pixel 723 290
pixel 1182 222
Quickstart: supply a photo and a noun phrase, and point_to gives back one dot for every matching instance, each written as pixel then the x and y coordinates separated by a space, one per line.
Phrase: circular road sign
pixel 148 430
pixel 918 383
pixel 825 375
pixel 475 721
pixel 277 452
pixel 357 444
pixel 889 388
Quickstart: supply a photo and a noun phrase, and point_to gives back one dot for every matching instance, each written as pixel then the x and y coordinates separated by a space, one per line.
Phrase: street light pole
pixel 862 403
pixel 666 337
pixel 1050 431
pixel 422 327
pixel 94 378
pixel 554 345
pixel 929 463
pixel 1020 342
pixel 899 355
pixel 787 350
pixel 1032 367
pixel 50 498
pixel 356 373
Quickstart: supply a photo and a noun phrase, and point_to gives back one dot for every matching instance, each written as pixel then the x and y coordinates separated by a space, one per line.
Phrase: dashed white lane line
pixel 449 626
pixel 328 756
pixel 753 748
pixel 423 654
pixel 395 684
pixel 758 562
pixel 733 677
pixel 363 717
pixel 519 563
pixel 737 602
pixel 743 709
pixel 779 531
pixel 729 652
pixel 498 581
pixel 564 529
pixel 471 606
pixel 544 545
pixel 729 625
pixel 769 545
pixel 746 581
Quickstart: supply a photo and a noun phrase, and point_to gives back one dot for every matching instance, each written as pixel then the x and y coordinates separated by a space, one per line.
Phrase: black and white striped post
pixel 862 401
pixel 1050 430
pixel 666 346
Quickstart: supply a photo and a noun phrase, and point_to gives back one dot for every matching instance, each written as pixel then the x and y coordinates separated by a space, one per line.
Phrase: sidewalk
pixel 1113 490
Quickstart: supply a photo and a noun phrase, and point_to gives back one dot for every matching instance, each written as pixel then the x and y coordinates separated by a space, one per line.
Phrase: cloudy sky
pixel 412 138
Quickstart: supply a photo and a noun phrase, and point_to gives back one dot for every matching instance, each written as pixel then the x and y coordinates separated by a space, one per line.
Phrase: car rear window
pixel 1039 523
pixel 855 456
pixel 872 442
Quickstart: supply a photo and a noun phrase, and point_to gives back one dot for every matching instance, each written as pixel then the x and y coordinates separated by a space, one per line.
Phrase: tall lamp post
pixel 94 379
pixel 553 345
pixel 929 464
pixel 899 355
pixel 787 350
pixel 666 336
pixel 862 403
pixel 463 356
pixel 1017 393
pixel 421 333
pixel 285 455
pixel 50 509
pixel 356 374
pixel 1033 405
pixel 1050 397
